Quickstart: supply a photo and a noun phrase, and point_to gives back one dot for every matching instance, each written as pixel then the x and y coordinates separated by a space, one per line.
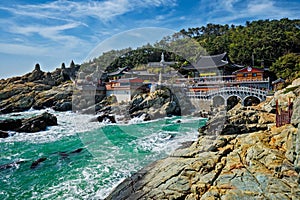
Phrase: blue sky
pixel 52 32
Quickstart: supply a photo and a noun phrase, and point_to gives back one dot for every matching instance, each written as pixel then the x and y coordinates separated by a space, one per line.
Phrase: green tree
pixel 287 67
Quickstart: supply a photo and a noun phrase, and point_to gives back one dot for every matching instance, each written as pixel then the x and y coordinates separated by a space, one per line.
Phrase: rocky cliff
pixel 240 155
pixel 38 89
pixel 161 103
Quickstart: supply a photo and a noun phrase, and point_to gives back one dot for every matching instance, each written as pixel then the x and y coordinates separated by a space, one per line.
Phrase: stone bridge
pixel 226 92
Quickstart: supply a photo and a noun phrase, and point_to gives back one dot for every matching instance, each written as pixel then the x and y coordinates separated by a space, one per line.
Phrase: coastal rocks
pixel 159 103
pixel 296 112
pixel 64 106
pixel 55 97
pixel 239 120
pixel 10 124
pixel 240 154
pixel 29 125
pixel 37 89
pixel 36 74
pixel 245 166
pixel 4 134
pixel 37 123
pixel 106 118
pixel 17 103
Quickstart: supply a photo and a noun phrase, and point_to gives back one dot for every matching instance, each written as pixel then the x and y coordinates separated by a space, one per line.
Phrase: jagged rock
pixel 4 134
pixel 49 98
pixel 233 167
pixel 37 123
pixel 296 112
pixel 37 67
pixel 36 89
pixel 105 118
pixel 262 164
pixel 33 124
pixel 10 124
pixel 160 103
pixel 36 74
pixel 65 106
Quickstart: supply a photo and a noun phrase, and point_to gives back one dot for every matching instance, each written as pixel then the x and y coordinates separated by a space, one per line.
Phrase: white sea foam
pixel 111 162
pixel 69 123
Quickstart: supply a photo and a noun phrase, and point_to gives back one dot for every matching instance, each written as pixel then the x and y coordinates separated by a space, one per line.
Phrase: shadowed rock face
pixel 38 89
pixel 160 103
pixel 33 124
pixel 252 159
pixel 3 134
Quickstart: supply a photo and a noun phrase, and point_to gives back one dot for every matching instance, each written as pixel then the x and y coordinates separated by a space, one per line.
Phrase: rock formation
pixel 38 89
pixel 29 125
pixel 250 158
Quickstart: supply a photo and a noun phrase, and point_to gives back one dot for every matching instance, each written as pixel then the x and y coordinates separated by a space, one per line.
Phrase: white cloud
pixel 103 10
pixel 259 7
pixel 54 33
pixel 18 49
pixel 44 17
pixel 227 11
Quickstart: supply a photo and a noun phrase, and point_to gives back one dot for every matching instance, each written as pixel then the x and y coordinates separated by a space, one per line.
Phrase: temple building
pixel 249 74
pixel 213 72
pixel 123 88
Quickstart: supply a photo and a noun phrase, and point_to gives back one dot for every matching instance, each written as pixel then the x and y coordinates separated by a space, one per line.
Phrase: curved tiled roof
pixel 214 61
pixel 119 71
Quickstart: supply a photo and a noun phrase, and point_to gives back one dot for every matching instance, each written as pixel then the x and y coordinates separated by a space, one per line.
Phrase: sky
pixel 53 32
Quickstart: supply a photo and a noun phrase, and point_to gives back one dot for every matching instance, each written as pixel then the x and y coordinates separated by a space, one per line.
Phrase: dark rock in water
pixel 66 155
pixel 10 124
pixel 12 164
pixel 3 134
pixel 105 117
pixel 37 162
pixel 65 106
pixel 77 150
pixel 63 154
pixel 38 123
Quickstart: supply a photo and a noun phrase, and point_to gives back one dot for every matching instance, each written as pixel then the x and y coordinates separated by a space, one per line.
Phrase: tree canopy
pixel 266 40
pixel 287 67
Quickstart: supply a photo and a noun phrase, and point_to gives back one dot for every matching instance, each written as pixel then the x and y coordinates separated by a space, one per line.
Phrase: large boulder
pixel 32 124
pixel 257 165
pixel 10 124
pixel 64 106
pixel 4 134
pixel 160 103
pixel 239 120
pixel 37 123
pixel 296 112
pixel 55 96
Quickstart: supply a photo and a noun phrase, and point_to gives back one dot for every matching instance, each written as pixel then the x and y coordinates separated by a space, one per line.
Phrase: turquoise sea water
pixel 110 154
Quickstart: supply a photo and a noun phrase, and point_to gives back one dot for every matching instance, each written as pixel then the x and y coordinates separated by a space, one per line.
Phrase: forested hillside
pixel 266 40
pixel 269 41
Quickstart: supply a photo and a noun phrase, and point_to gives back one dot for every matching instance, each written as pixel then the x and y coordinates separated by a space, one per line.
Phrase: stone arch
pixel 232 100
pixel 252 100
pixel 218 100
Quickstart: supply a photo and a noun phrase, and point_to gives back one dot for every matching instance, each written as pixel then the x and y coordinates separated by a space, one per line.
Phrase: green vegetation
pixel 266 40
pixel 287 67
pixel 271 42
